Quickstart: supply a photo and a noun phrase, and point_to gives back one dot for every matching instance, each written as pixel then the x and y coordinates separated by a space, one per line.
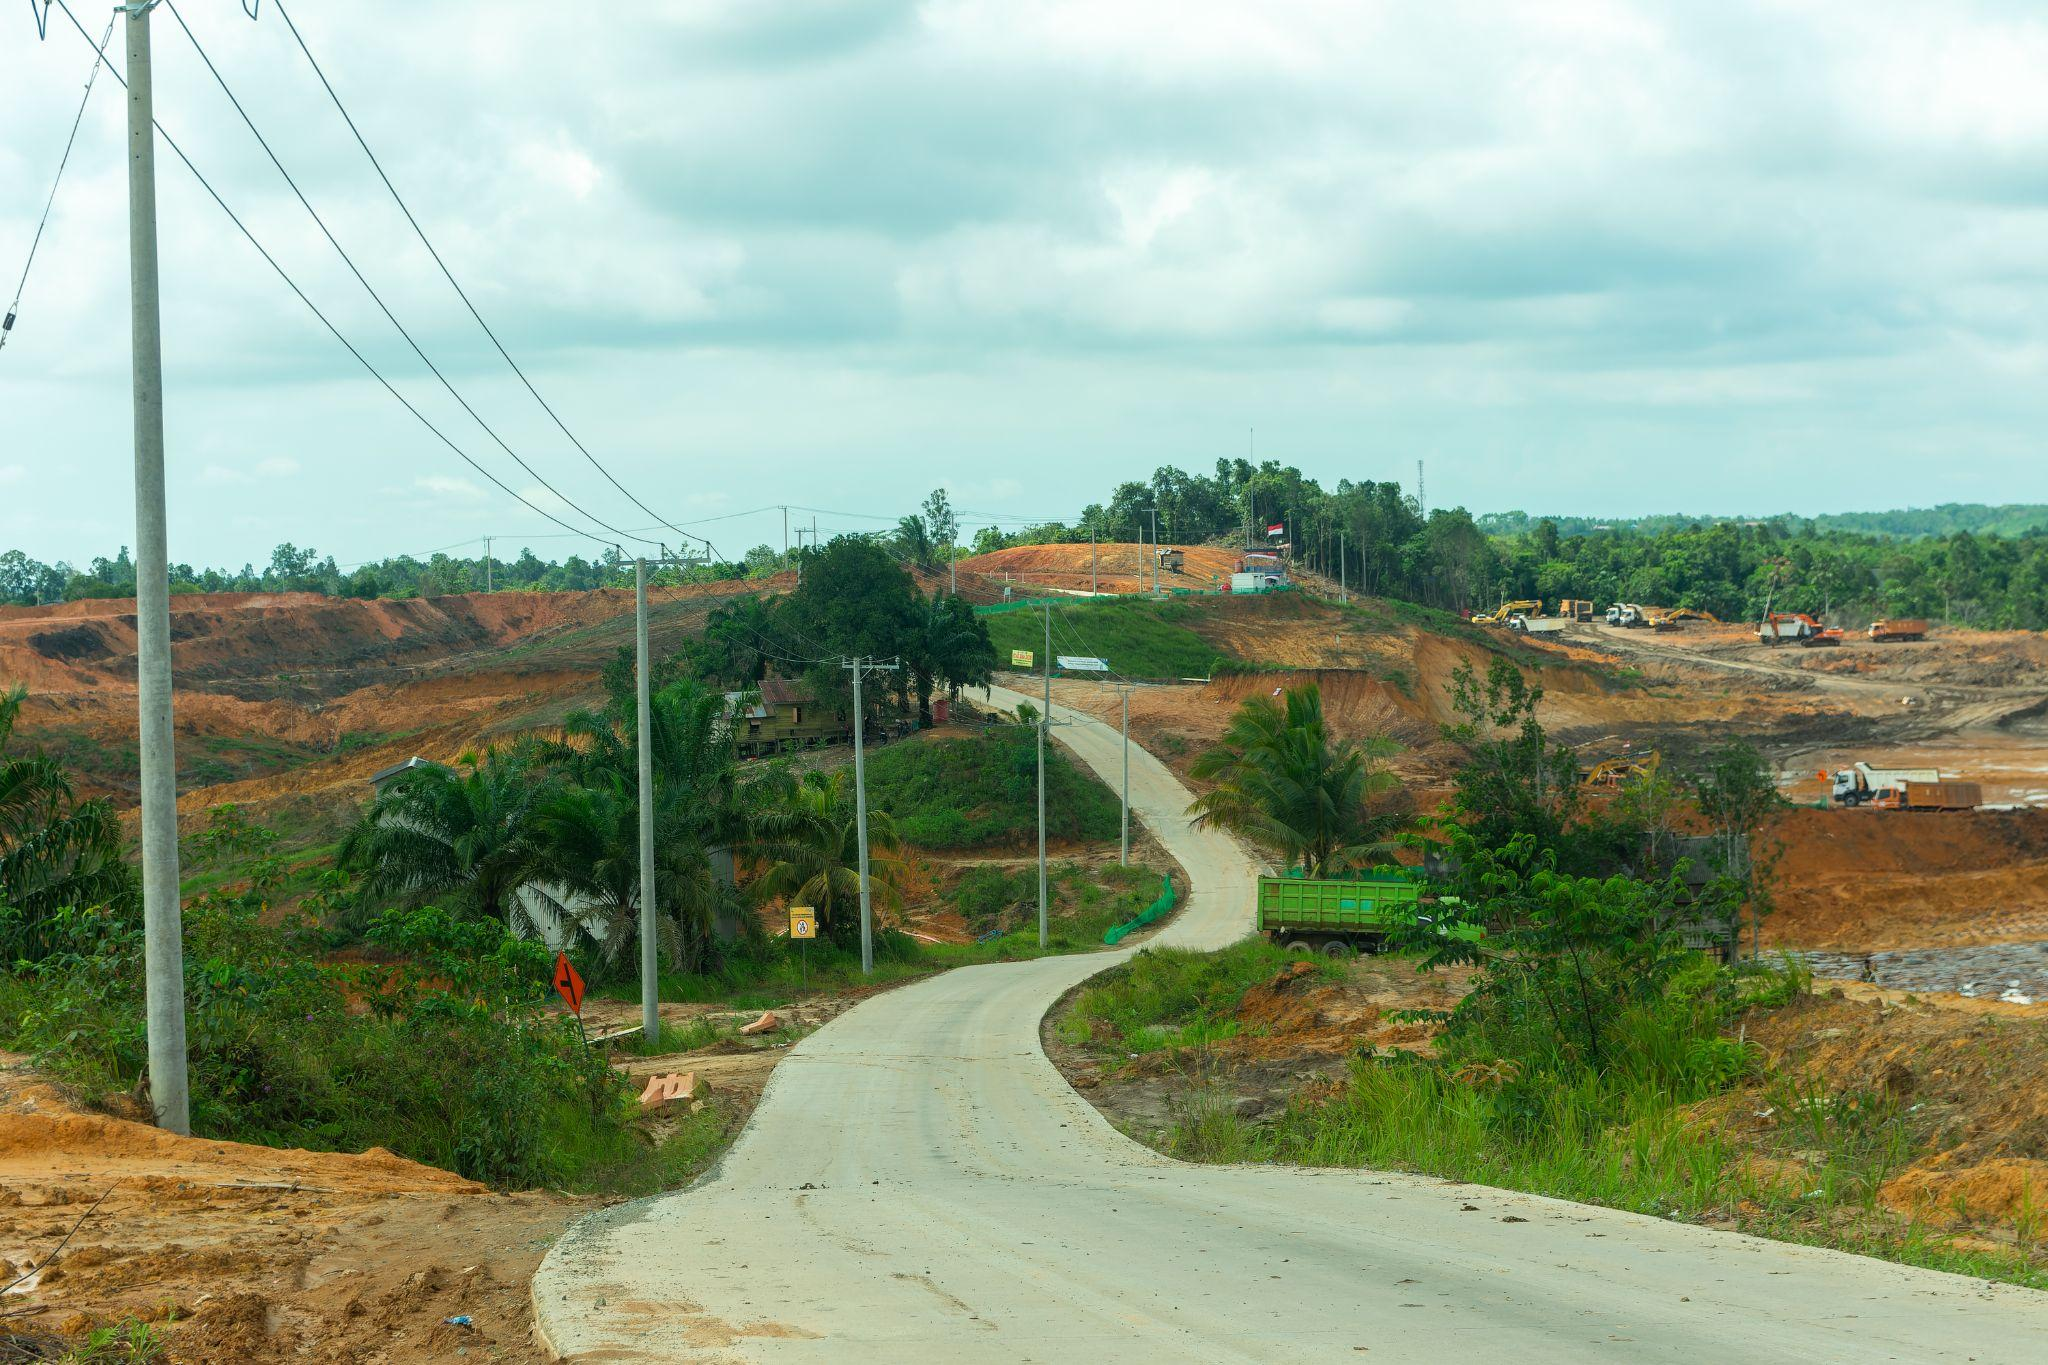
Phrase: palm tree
pixel 589 834
pixel 463 836
pixel 950 647
pixel 1283 785
pixel 812 845
pixel 587 865
pixel 56 851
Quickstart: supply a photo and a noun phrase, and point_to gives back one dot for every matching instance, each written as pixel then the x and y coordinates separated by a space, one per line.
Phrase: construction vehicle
pixel 1796 626
pixel 1527 606
pixel 1575 609
pixel 1538 625
pixel 1860 784
pixel 1627 614
pixel 1888 631
pixel 1671 620
pixel 1170 559
pixel 1612 774
pixel 1339 918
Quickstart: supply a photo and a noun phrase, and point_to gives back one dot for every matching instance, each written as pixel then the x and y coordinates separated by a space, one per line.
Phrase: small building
pixel 780 716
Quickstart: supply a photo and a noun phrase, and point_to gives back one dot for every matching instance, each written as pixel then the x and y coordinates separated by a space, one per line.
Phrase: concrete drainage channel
pixel 2015 972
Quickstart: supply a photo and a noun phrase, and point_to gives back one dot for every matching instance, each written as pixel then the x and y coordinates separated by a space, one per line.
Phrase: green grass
pixel 1139 638
pixel 982 792
pixel 1167 997
pixel 132 1342
pixel 1628 1143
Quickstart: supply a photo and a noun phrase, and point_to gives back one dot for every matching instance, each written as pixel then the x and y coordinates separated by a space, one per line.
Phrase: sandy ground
pixel 254 1254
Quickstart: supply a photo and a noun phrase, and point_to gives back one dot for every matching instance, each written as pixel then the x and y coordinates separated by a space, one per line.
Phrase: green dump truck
pixel 1337 918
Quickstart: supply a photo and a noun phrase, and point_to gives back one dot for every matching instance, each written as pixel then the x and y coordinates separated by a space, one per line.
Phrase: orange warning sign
pixel 568 984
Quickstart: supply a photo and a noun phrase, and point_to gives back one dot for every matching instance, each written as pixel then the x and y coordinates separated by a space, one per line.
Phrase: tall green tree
pixel 1283 783
pixel 949 649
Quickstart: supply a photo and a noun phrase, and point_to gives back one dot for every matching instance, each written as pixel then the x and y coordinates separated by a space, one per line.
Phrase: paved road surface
pixel 919 1184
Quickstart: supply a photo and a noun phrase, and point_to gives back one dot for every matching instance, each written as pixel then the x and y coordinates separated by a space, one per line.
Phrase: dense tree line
pixel 1970 564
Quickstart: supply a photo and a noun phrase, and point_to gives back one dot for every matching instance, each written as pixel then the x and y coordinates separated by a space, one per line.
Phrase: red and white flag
pixel 1277 529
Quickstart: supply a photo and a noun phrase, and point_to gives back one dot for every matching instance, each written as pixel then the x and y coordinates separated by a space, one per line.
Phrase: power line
pixel 99 59
pixel 448 274
pixel 377 298
pixel 361 359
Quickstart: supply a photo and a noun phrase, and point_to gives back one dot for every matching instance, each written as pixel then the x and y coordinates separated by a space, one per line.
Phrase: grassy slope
pixel 982 792
pixel 1139 638
pixel 1816 1180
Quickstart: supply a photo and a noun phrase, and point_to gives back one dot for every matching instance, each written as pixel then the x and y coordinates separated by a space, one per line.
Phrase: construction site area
pixel 1927 927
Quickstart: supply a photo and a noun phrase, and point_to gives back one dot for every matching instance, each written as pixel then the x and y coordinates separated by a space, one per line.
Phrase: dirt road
pixel 920 1184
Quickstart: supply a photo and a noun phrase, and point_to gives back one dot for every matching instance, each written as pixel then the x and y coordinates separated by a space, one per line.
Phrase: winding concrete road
pixel 919 1184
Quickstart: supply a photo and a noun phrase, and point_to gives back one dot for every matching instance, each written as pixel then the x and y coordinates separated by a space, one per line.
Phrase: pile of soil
pixel 1120 567
pixel 1864 880
pixel 255 1254
pixel 1964 1085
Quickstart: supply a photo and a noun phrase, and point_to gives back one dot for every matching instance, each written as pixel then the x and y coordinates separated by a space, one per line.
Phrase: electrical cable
pixel 450 276
pixel 291 284
pixel 377 298
pixel 99 60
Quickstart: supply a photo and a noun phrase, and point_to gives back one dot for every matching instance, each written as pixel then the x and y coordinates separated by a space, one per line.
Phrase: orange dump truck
pixel 1930 796
pixel 1898 630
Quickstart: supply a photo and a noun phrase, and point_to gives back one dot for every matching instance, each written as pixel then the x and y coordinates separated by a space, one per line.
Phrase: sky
pixel 1599 256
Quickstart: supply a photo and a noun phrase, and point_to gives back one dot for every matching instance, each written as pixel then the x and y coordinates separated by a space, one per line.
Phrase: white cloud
pixel 221 476
pixel 277 467
pixel 12 474
pixel 448 486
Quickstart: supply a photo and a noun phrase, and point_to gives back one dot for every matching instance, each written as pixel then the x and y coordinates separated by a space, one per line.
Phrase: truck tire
pixel 1298 947
pixel 1337 948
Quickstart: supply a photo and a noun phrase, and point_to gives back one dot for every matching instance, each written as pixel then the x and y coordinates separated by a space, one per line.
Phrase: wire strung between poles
pixel 99 60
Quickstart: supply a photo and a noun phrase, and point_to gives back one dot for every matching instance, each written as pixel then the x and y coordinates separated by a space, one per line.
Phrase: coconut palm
pixel 812 846
pixel 463 837
pixel 1282 784
pixel 56 851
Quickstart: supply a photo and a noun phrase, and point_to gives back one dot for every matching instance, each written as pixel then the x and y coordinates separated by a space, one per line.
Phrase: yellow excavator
pixel 1612 774
pixel 1671 620
pixel 1527 606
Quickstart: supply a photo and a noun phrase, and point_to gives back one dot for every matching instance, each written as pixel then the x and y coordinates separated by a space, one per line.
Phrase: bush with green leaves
pixel 444 1049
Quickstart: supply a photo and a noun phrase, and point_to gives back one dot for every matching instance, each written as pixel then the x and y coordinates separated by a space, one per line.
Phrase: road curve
pixel 919 1184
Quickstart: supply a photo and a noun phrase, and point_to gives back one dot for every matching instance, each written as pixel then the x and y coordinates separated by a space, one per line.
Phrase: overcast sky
pixel 1589 256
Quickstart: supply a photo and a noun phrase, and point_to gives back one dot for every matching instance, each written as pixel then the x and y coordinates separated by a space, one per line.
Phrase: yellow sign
pixel 803 922
pixel 1020 658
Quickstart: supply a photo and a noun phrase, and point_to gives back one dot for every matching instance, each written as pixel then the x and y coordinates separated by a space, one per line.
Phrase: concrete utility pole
pixel 162 915
pixel 1044 720
pixel 1155 551
pixel 650 974
pixel 860 809
pixel 1124 856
